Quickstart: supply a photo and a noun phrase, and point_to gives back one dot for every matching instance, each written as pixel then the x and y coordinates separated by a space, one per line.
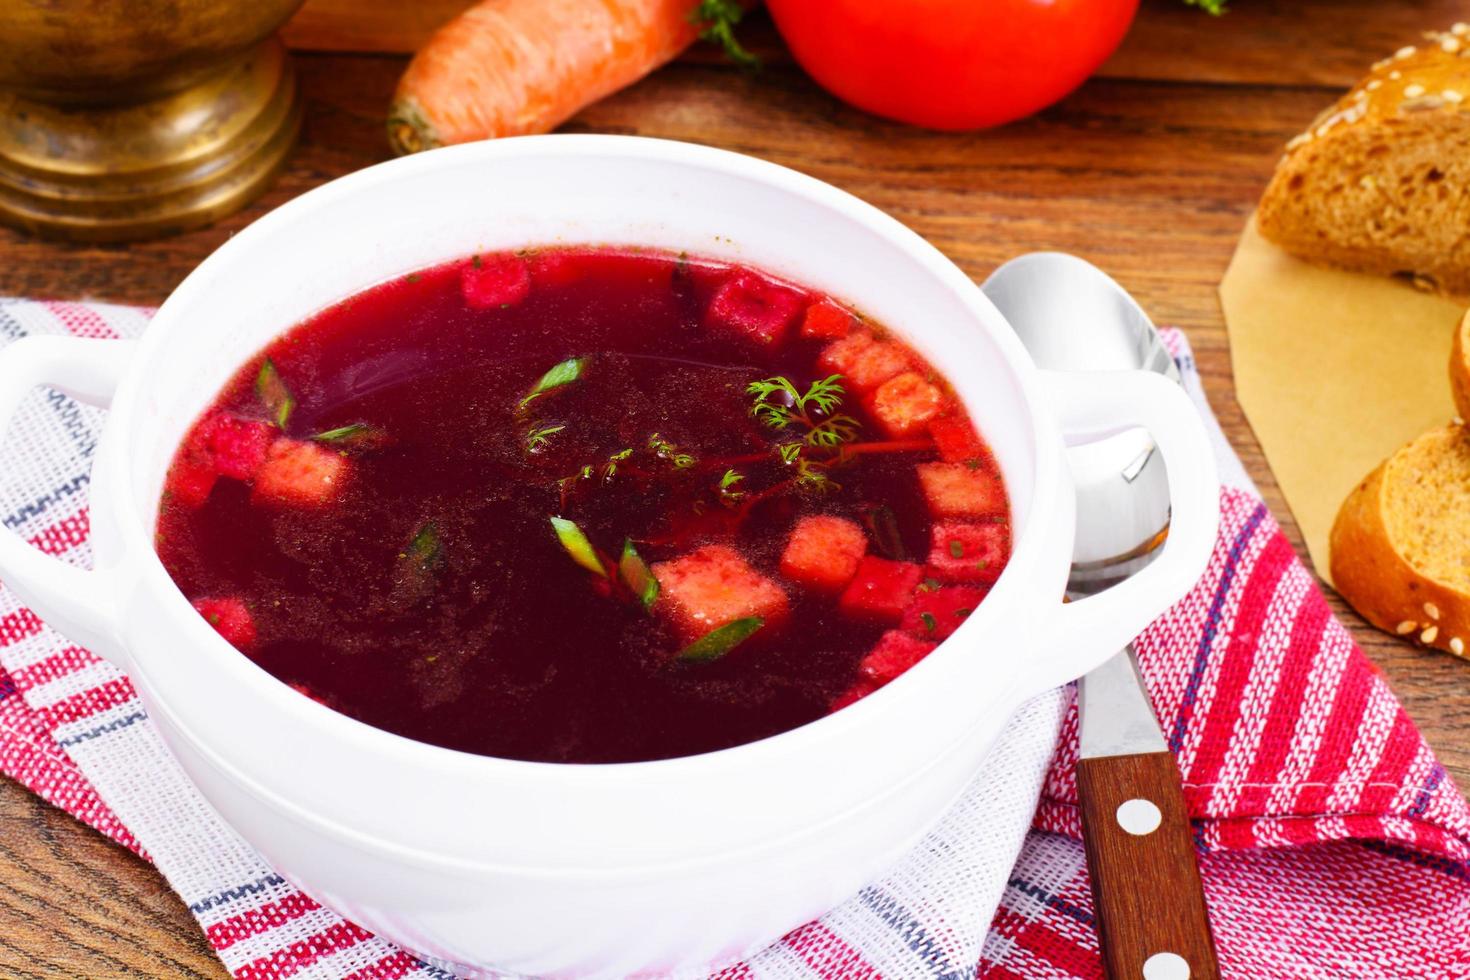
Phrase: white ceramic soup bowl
pixel 483 863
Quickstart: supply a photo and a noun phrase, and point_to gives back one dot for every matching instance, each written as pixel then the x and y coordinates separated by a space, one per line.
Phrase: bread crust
pixel 1381 585
pixel 1460 368
pixel 1376 183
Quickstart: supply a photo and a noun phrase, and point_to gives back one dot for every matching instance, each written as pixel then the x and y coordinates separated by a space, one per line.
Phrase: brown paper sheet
pixel 1334 370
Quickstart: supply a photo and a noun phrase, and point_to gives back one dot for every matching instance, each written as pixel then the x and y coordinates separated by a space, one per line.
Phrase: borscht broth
pixel 585 505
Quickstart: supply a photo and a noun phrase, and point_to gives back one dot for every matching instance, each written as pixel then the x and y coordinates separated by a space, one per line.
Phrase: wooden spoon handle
pixel 1151 919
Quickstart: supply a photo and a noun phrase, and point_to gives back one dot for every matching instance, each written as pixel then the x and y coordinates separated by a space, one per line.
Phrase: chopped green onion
pixel 577 545
pixel 956 550
pixel 930 623
pixel 636 575
pixel 358 434
pixel 721 640
pixel 273 393
pixel 883 524
pixel 425 550
pixel 562 374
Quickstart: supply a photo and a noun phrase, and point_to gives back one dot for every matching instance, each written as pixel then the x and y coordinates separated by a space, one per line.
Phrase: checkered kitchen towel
pixel 1332 842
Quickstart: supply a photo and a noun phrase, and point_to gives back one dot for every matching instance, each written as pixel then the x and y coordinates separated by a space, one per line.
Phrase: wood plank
pixel 1258 42
pixel 1275 42
pixel 77 905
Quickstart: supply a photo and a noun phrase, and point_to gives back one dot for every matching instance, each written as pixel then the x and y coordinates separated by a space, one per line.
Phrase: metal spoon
pixel 1146 886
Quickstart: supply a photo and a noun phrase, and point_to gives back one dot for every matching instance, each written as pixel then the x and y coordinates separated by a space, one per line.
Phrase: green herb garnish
pixel 778 403
pixel 356 435
pixel 728 493
pixel 814 476
pixel 717 20
pixel 956 550
pixel 425 550
pixel 721 640
pixel 929 585
pixel 930 623
pixel 562 374
pixel 273 393
pixel 882 524
pixel 637 576
pixel 577 546
pixel 666 450
pixel 538 438
pixel 417 564
pixel 611 469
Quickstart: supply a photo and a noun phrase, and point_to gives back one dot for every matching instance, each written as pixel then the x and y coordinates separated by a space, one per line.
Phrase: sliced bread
pixel 1400 547
pixel 1460 368
pixel 1380 182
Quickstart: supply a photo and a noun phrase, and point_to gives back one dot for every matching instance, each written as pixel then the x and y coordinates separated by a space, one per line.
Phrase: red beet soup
pixel 585 505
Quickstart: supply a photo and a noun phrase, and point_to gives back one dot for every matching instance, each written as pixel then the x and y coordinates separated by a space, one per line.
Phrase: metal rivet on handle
pixel 1166 966
pixel 1139 817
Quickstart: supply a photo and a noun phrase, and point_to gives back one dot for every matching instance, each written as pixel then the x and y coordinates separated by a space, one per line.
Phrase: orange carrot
pixel 510 67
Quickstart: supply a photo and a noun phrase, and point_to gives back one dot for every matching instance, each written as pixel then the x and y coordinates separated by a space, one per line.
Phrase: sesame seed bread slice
pixel 1400 547
pixel 1380 182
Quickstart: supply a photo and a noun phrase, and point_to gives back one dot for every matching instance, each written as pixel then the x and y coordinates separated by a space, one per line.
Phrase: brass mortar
pixel 129 119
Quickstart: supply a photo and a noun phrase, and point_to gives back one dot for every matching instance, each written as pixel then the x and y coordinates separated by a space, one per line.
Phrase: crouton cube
pixel 823 553
pixel 936 613
pixel 715 585
pixel 825 320
pixel 904 404
pixel 493 281
pixel 962 490
pixel 299 474
pixel 895 653
pixel 881 589
pixel 876 364
pixel 839 356
pixel 967 551
pixel 753 308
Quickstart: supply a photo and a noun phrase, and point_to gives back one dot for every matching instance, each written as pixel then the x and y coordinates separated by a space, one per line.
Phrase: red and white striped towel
pixel 1332 842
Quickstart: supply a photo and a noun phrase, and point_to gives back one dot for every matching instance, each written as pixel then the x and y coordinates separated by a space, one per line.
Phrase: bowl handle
pixel 1096 404
pixel 81 604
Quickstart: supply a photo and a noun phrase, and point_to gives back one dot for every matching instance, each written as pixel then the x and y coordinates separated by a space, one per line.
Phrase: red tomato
pixel 952 64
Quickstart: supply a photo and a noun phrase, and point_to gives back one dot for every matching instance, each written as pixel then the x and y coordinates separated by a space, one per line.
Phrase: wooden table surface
pixel 1149 170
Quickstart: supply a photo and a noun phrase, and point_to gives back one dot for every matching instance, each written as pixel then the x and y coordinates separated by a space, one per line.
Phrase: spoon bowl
pixel 1072 316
